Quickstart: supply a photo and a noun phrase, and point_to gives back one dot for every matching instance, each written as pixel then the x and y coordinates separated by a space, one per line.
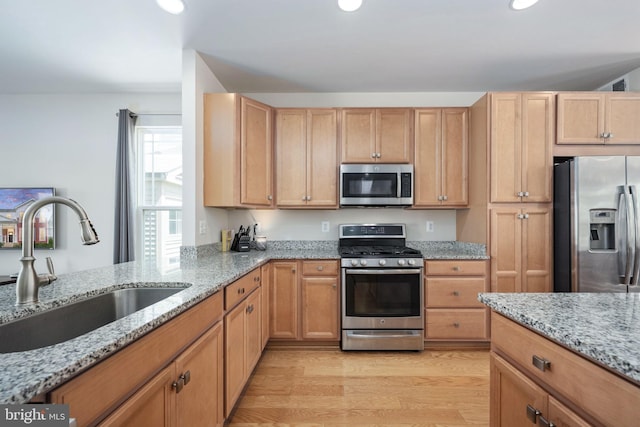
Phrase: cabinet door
pixel 561 416
pixel 235 360
pixel 393 135
pixel 581 118
pixel 153 405
pixel 265 299
pixel 358 135
pixel 291 157
pixel 322 158
pixel 506 249
pixel 253 333
pixel 455 161
pixel 255 154
pixel 536 251
pixel 623 113
pixel 506 147
pixel 511 394
pixel 538 129
pixel 428 155
pixel 201 366
pixel 284 300
pixel 320 308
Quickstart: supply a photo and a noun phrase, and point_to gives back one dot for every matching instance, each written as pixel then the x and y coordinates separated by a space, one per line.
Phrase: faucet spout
pixel 29 281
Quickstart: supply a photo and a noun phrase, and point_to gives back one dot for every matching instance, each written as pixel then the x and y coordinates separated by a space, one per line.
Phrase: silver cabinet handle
pixel 320 267
pixel 456 325
pixel 541 363
pixel 532 414
pixel 373 155
pixel 269 197
pixel 456 293
pixel 544 423
pixel 445 198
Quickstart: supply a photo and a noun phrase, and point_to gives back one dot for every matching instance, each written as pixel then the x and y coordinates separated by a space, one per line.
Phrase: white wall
pixel 197 79
pixel 69 142
pixel 306 224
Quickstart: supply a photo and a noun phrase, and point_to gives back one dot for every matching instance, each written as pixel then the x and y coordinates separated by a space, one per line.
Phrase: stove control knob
pixel 363 262
pixel 401 262
pixel 382 262
pixel 354 262
pixel 412 262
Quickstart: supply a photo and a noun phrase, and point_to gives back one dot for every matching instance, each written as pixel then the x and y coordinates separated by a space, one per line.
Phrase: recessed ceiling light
pixel 349 5
pixel 522 4
pixel 175 7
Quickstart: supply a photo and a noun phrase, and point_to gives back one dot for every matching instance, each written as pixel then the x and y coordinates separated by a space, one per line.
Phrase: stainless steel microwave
pixel 376 185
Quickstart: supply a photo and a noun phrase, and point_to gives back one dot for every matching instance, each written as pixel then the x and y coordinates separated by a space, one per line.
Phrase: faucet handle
pixel 51 277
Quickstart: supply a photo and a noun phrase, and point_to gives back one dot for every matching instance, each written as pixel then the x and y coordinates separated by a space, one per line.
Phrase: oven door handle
pixel 385 271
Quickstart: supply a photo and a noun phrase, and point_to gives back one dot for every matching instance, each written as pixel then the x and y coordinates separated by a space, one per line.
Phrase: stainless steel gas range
pixel 382 290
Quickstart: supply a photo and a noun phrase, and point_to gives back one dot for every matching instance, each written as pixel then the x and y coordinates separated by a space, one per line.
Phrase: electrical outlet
pixel 325 226
pixel 203 227
pixel 430 227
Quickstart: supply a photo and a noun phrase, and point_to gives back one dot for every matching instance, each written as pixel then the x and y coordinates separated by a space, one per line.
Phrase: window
pixel 159 176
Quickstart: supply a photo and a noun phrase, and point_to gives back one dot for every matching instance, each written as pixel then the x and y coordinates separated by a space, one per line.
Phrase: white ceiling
pixel 53 46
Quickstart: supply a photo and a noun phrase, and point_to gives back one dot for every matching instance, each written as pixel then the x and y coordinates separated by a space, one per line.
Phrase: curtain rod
pixel 151 114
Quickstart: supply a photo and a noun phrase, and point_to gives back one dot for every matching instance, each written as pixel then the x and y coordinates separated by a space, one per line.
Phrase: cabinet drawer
pixel 602 394
pixel 455 268
pixel 320 268
pixel 454 292
pixel 460 323
pixel 241 288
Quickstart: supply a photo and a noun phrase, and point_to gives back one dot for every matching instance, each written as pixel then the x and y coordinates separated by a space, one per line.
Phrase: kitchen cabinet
pixel 534 380
pixel 598 118
pixel 521 141
pixel 242 333
pixel 180 395
pixel 521 239
pixel 307 158
pixel 137 382
pixel 305 300
pixel 265 286
pixel 382 135
pixel 452 309
pixel 237 152
pixel 441 157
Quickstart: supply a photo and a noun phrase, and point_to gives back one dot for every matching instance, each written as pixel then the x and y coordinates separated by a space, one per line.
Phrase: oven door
pixel 382 298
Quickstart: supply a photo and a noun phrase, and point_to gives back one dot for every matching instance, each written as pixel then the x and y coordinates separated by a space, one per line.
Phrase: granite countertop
pixel 30 373
pixel 603 327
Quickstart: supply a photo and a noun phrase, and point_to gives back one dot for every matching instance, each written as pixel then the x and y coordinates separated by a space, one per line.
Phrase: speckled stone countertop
pixel 30 373
pixel 604 327
pixel 450 250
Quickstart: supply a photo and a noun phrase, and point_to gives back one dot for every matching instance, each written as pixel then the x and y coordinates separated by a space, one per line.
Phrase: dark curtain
pixel 123 248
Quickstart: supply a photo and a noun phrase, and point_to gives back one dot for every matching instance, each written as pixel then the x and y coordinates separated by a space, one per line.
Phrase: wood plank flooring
pixel 330 388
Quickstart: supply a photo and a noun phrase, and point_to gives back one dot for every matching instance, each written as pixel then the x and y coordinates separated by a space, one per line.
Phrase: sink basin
pixel 69 321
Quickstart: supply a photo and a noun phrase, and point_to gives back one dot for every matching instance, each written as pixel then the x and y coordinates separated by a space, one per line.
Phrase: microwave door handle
pixel 399 185
pixel 635 233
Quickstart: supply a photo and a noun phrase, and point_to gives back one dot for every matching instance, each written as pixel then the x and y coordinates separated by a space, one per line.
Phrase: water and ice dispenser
pixel 602 225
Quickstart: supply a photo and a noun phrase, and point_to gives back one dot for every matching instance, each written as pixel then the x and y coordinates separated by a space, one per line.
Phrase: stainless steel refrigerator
pixel 596 234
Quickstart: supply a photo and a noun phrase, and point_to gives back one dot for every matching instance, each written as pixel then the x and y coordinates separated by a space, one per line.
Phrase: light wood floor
pixel 330 388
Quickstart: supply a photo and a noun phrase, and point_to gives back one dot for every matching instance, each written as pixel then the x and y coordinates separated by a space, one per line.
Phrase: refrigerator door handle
pixel 635 233
pixel 625 255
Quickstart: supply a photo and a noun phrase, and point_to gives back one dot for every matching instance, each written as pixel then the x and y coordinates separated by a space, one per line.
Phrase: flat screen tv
pixel 13 203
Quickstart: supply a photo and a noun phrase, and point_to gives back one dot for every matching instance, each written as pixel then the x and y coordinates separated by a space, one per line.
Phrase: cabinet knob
pixel 525 194
pixel 186 377
pixel 533 414
pixel 320 267
pixel 457 268
pixel 269 197
pixel 445 198
pixel 544 423
pixel 373 155
pixel 456 293
pixel 456 325
pixel 178 385
pixel 334 286
pixel 293 270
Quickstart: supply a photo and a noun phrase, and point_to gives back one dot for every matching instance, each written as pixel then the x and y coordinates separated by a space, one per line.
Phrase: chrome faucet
pixel 29 281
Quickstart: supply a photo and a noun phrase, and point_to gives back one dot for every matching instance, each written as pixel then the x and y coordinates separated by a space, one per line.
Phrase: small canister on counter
pixel 261 243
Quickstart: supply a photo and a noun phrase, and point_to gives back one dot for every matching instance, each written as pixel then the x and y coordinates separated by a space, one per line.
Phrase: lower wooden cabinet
pixel 536 381
pixel 181 394
pixel 453 311
pixel 305 300
pixel 173 376
pixel 243 346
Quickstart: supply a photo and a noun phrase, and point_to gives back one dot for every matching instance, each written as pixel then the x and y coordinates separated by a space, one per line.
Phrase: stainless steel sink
pixel 69 321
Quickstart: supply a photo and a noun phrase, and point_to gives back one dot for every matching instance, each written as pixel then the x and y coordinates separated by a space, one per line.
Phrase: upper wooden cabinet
pixel 521 140
pixel 307 158
pixel 376 135
pixel 441 157
pixel 238 146
pixel 598 118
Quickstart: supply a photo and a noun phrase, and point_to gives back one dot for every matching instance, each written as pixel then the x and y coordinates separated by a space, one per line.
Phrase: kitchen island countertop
pixel 28 374
pixel 603 327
